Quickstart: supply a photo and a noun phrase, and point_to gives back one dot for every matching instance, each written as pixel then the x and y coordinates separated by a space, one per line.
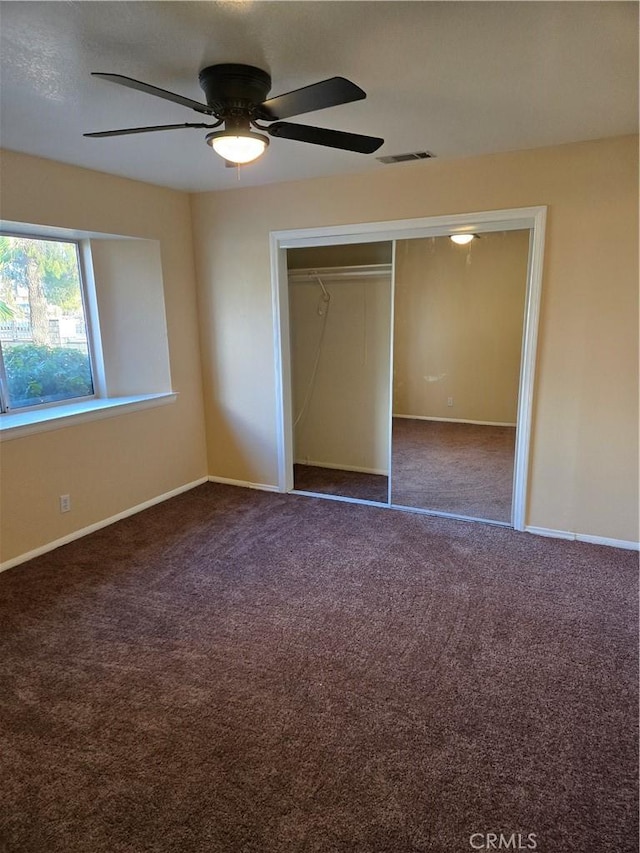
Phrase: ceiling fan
pixel 235 96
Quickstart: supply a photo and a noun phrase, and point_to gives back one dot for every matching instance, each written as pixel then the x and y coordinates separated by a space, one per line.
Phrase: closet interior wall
pixel 340 342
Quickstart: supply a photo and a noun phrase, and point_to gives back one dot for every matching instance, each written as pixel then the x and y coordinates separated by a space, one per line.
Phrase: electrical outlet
pixel 449 401
pixel 65 503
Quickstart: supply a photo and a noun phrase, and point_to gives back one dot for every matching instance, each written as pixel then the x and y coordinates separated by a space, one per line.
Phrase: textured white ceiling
pixel 454 78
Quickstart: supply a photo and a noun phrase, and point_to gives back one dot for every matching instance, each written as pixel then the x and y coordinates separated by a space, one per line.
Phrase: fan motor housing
pixel 234 87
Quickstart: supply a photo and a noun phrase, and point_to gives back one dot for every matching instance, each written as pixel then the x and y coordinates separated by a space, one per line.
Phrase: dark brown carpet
pixel 349 484
pixel 243 672
pixel 464 469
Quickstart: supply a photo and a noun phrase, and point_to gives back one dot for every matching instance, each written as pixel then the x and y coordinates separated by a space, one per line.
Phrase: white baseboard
pixel 337 467
pixel 85 531
pixel 263 487
pixel 584 537
pixel 454 420
pixel 92 528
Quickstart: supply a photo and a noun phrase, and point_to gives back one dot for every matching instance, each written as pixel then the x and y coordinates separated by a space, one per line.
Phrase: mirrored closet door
pixel 458 329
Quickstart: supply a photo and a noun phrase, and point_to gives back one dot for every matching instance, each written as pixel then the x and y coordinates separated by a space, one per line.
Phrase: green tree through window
pixel 43 340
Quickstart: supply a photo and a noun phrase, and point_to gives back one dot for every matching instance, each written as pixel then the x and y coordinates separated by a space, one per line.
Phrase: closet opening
pixel 405 362
pixel 340 340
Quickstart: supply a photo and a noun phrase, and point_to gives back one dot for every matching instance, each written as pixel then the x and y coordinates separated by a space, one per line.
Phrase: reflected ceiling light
pixel 238 146
pixel 462 239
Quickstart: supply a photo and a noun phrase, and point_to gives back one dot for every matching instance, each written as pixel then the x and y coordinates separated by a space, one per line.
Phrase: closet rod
pixel 302 276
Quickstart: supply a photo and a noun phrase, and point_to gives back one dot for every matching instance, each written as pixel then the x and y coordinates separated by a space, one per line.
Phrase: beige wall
pixel 351 254
pixel 584 466
pixel 341 405
pixel 110 465
pixel 132 318
pixel 458 318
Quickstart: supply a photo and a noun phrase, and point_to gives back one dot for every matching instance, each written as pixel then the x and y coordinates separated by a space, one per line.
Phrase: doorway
pixel 492 437
pixel 340 344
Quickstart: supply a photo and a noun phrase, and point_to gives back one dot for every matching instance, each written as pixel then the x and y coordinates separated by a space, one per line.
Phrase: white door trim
pixel 533 218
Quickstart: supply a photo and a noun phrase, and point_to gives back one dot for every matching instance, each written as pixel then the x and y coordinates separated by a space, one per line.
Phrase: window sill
pixel 18 424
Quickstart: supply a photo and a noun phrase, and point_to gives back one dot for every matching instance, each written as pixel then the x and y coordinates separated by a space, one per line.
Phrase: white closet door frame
pixel 531 218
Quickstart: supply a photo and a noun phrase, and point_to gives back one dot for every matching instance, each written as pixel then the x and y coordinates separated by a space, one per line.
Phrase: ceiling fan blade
pixel 130 83
pixel 126 130
pixel 322 136
pixel 318 96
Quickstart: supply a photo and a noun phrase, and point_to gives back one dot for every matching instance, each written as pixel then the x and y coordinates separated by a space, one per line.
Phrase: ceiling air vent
pixel 404 158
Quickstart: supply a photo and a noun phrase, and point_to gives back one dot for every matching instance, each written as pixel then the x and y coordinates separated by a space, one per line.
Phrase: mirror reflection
pixel 458 325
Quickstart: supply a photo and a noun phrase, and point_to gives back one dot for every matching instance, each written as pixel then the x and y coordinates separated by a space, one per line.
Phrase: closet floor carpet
pixel 462 469
pixel 333 481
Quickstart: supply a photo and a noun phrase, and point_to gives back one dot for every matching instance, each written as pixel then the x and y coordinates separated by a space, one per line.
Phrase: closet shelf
pixel 302 276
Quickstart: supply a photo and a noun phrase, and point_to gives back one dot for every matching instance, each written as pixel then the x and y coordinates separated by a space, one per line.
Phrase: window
pixel 83 330
pixel 45 352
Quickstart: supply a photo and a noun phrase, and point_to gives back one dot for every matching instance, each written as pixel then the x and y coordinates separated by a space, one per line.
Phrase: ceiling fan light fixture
pixel 244 147
pixel 462 239
pixel 235 96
